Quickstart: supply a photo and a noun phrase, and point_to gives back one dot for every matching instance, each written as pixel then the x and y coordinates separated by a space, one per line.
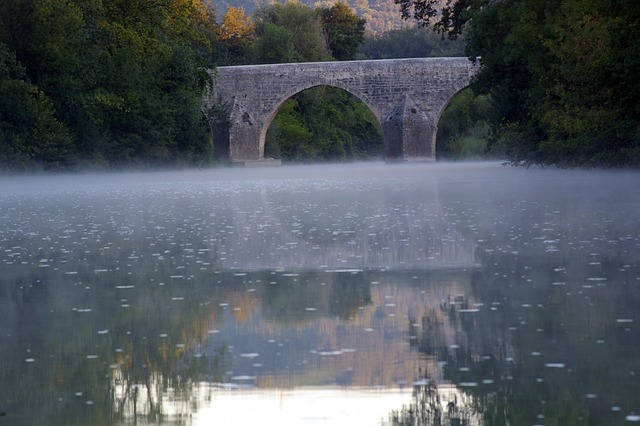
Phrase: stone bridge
pixel 406 95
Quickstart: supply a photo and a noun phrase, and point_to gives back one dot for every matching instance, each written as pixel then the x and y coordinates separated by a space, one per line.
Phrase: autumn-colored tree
pixel 234 36
pixel 235 27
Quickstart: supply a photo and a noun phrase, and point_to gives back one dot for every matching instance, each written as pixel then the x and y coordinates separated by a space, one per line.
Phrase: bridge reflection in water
pixel 330 229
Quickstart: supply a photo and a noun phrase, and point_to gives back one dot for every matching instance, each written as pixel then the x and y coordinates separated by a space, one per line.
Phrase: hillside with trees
pixel 380 15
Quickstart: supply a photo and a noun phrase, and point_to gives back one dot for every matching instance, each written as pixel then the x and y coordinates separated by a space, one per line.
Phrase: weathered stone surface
pixel 406 95
pixel 409 133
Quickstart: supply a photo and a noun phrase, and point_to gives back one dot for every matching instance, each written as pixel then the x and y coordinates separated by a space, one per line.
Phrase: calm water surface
pixel 350 294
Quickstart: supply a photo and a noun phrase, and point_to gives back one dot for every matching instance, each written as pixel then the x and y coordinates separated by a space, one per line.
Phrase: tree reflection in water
pixel 437 405
pixel 545 335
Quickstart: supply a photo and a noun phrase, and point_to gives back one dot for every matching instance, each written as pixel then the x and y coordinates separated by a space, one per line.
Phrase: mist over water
pixel 233 294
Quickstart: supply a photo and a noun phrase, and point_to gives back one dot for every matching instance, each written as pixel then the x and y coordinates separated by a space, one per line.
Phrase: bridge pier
pixel 409 134
pixel 406 95
pixel 235 132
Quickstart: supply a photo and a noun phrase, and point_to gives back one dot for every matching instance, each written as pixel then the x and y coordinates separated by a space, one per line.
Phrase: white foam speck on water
pixel 250 355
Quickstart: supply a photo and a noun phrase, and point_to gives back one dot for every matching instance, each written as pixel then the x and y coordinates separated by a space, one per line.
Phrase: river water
pixel 466 293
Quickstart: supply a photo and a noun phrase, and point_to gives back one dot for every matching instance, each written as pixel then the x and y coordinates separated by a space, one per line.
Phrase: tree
pixel 235 33
pixel 274 45
pixel 30 135
pixel 234 27
pixel 559 73
pixel 302 22
pixel 343 30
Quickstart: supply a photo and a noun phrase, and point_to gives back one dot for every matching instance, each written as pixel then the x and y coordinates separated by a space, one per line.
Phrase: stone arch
pixel 269 117
pixel 406 95
pixel 444 106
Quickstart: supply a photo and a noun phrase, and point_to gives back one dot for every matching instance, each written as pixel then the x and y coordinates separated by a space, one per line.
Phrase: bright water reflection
pixel 469 293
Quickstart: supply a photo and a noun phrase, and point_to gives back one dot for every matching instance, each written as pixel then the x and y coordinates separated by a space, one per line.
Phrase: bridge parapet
pixel 406 95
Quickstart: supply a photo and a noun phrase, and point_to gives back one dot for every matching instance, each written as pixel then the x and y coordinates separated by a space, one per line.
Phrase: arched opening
pixel 322 124
pixel 463 127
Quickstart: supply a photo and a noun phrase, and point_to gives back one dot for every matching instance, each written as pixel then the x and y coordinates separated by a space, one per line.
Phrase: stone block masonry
pixel 406 95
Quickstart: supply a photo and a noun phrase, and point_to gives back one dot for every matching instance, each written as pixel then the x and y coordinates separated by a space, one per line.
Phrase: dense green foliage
pixel 29 132
pixel 103 82
pixel 463 130
pixel 562 75
pixel 324 124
